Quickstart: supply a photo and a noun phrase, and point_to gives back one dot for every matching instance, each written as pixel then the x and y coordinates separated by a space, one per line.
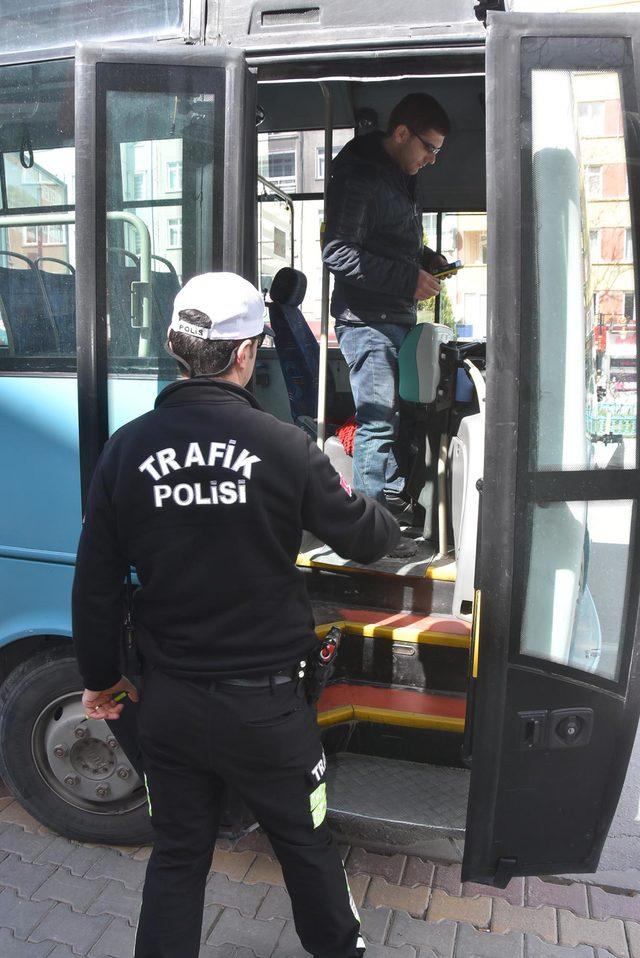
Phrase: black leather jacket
pixel 373 236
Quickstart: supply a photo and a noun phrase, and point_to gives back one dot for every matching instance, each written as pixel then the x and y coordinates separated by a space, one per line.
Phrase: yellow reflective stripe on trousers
pixel 318 804
pixel 146 786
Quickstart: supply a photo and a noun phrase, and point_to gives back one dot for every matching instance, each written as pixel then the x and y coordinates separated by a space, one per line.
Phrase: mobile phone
pixel 449 270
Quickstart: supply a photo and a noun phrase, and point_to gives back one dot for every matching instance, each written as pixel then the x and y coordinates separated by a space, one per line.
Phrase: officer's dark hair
pixel 419 112
pixel 203 356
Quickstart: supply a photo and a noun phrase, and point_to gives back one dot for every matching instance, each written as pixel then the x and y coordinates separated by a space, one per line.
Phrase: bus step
pixel 385 803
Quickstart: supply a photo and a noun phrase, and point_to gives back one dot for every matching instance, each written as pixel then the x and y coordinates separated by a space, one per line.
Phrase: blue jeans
pixel 371 353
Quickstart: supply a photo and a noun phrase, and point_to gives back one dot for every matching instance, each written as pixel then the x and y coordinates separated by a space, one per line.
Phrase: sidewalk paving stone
pixel 27 845
pixel 143 854
pixel 289 944
pixel 61 951
pixel 255 841
pixel 19 915
pixel 534 947
pixel 481 944
pixel 210 916
pixel 412 900
pixel 24 877
pixel 374 923
pixel 276 904
pixel 264 869
pixel 607 905
pixel 234 865
pixel 246 898
pixel 11 947
pixel 448 878
pixel 633 938
pixel 117 942
pixel 16 815
pixel 369 863
pixel 476 911
pixel 513 893
pixel 261 937
pixel 536 921
pixel 117 867
pixel 587 931
pixel 82 857
pixel 558 895
pixel 56 852
pixel 384 951
pixel 65 926
pixel 65 887
pixel 359 884
pixel 117 901
pixel 429 938
pixel 418 872
pixel 225 951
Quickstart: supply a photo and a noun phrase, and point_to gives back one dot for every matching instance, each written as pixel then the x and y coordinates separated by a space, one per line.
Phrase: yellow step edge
pixel 442 570
pixel 365 713
pixel 402 633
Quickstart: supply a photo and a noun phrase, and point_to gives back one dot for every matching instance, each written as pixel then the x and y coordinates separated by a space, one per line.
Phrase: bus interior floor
pixel 318 555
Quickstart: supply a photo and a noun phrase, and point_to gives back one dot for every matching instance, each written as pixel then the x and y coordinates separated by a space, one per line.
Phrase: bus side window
pixel 37 232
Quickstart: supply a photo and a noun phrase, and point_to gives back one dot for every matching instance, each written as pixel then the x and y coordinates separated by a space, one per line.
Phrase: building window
pixel 174 176
pixel 628 246
pixel 630 306
pixel 593 181
pixel 591 118
pixel 320 159
pixel 281 169
pixel 139 186
pixel 595 251
pixel 52 235
pixel 174 233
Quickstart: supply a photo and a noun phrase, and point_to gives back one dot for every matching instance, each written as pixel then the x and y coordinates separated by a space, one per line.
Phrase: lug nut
pixel 60 751
pixel 111 742
pixel 71 781
pixel 123 772
pixel 79 732
pixel 102 791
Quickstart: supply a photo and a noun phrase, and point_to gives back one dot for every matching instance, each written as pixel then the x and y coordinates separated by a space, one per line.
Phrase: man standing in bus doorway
pixel 373 245
pixel 207 496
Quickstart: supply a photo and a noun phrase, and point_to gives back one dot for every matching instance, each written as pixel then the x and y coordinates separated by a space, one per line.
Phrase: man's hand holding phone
pixel 427 287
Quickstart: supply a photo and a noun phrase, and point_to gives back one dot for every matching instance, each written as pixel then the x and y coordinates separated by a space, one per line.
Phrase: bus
pixel 485 701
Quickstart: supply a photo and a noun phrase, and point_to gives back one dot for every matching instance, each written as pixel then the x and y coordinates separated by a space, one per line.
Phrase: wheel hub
pixel 84 758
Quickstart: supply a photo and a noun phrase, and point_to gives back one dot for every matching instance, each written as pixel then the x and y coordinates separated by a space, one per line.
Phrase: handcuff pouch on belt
pixel 322 665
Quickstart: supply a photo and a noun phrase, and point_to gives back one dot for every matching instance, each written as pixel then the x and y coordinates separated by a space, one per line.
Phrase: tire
pixel 72 777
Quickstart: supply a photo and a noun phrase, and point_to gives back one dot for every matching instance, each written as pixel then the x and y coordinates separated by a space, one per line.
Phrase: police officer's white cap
pixel 235 307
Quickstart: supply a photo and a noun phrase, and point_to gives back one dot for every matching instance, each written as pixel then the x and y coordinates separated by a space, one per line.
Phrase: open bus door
pixel 555 685
pixel 165 150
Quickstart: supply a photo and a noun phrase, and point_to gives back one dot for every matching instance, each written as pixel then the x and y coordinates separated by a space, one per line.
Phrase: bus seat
pixel 297 347
pixel 165 285
pixel 60 290
pixel 26 313
pixel 419 362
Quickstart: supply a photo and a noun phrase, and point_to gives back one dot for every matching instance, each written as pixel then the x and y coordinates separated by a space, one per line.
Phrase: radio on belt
pixel 324 664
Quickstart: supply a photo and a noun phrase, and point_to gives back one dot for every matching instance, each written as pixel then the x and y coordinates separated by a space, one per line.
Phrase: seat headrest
pixel 288 287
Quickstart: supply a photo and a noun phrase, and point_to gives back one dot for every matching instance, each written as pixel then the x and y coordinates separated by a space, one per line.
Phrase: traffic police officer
pixel 207 496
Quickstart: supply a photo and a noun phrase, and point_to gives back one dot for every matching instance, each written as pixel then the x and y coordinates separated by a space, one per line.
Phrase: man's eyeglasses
pixel 429 147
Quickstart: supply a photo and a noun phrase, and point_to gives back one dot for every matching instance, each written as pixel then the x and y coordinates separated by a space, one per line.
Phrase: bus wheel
pixel 70 776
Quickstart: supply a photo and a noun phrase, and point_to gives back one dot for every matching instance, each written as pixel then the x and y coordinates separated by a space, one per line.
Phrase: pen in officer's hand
pixel 116 698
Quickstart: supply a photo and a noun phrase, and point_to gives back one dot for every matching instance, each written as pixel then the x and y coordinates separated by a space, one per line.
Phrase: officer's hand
pixel 101 705
pixel 427 287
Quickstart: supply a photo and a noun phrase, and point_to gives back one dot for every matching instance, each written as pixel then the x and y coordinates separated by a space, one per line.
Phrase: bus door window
pixel 159 157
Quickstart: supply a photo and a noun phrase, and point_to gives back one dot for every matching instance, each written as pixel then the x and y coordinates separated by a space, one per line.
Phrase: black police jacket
pixel 207 496
pixel 373 236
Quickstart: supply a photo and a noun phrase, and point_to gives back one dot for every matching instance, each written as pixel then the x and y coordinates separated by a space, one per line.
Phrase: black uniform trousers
pixel 265 743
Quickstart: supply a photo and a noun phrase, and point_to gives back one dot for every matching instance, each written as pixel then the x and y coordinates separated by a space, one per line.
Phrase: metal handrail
pixel 286 199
